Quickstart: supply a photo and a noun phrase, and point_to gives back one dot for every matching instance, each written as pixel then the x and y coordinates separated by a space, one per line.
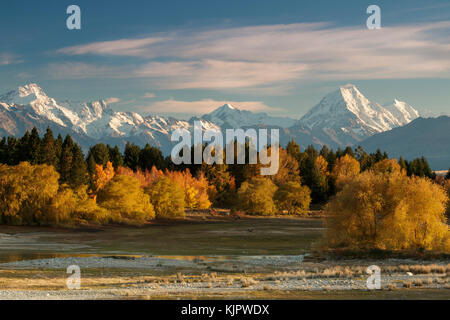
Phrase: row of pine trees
pixel 75 169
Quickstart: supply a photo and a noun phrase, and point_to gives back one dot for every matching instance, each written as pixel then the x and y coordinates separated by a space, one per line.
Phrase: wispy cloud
pixel 9 58
pixel 203 106
pixel 149 95
pixel 218 74
pixel 123 47
pixel 273 55
pixel 112 100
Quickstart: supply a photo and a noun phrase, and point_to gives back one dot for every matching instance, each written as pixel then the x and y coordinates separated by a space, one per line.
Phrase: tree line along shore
pixel 369 200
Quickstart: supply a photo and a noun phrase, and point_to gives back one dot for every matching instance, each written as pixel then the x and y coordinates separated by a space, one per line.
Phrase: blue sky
pixel 188 57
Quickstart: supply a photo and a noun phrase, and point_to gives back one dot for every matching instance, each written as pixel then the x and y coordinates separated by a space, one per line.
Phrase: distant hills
pixel 343 117
pixel 429 137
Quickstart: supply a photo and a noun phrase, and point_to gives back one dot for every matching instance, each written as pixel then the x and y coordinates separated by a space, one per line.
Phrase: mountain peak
pixel 348 110
pixel 228 106
pixel 24 95
pixel 348 86
pixel 229 116
pixel 402 111
pixel 225 108
pixel 31 88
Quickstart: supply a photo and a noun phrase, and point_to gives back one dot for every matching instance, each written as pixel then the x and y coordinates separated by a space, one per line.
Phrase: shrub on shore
pixel 167 198
pixel 293 197
pixel 388 211
pixel 256 196
pixel 26 192
pixel 126 201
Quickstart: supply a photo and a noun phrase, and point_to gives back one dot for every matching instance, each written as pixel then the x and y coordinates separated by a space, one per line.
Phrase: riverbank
pixel 214 257
pixel 124 277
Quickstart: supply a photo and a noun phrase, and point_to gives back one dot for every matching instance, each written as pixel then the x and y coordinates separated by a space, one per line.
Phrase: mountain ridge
pixel 343 117
pixel 428 137
pixel 348 110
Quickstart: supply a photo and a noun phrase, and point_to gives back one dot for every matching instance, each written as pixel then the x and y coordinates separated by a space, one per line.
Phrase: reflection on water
pixel 193 258
pixel 19 256
pixel 13 256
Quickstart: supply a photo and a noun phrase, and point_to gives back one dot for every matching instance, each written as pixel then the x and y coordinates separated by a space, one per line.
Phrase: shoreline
pixel 206 257
pixel 253 277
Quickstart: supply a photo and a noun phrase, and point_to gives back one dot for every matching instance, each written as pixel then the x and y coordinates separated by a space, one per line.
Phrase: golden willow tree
pixel 126 201
pixel 385 209
pixel 345 169
pixel 31 195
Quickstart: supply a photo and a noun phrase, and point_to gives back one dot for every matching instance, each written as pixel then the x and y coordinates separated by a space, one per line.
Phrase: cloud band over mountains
pixel 267 56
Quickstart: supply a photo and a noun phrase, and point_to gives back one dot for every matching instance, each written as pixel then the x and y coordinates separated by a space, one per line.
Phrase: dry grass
pixel 407 284
pixel 418 283
pixel 313 275
pixel 420 269
pixel 247 282
pixel 391 286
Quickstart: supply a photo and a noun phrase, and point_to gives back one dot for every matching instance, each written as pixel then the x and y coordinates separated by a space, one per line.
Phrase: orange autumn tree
pixel 195 189
pixel 146 178
pixel 102 176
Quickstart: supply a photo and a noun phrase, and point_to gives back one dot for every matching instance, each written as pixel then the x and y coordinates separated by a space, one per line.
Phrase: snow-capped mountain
pixel 231 117
pixel 87 122
pixel 402 111
pixel 346 116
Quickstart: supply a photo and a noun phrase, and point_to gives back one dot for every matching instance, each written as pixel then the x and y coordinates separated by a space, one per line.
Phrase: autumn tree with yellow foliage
pixel 26 191
pixel 255 196
pixel 126 201
pixel 31 195
pixel 388 210
pixel 147 178
pixel 322 165
pixel 293 198
pixel 288 168
pixel 388 166
pixel 195 188
pixel 345 169
pixel 447 188
pixel 167 198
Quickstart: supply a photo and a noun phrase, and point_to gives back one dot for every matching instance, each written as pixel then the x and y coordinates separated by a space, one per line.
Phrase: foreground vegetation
pixel 372 202
pixel 383 208
pixel 205 255
pixel 310 280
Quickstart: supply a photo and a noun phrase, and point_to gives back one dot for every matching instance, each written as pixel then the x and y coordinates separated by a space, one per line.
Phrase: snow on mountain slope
pixel 344 117
pixel 228 116
pixel 346 114
pixel 402 111
pixel 34 100
pixel 29 106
